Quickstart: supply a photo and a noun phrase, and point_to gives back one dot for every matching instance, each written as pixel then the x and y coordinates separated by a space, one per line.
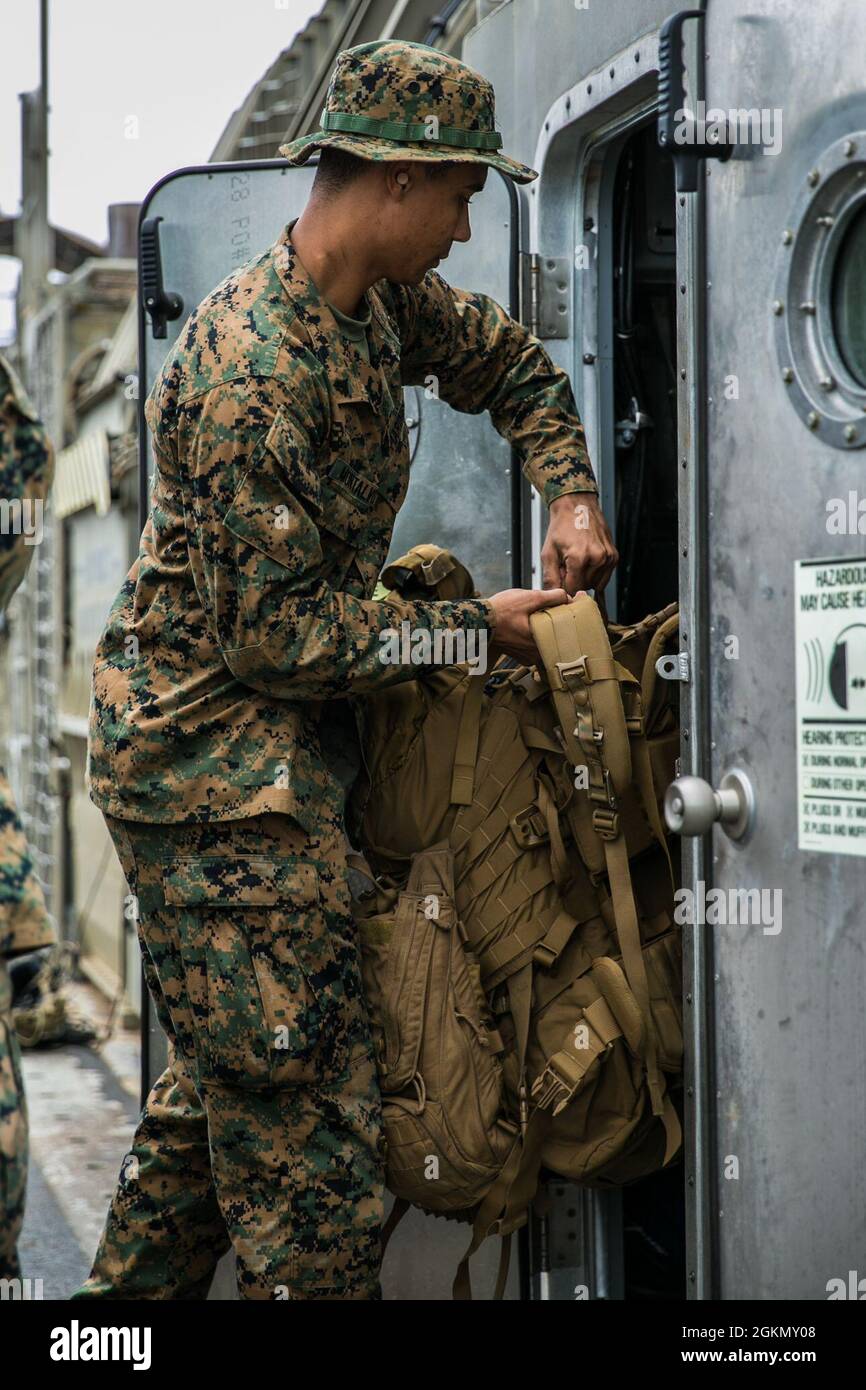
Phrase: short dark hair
pixel 338 169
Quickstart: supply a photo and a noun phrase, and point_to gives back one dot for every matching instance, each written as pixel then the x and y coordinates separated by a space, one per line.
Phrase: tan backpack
pixel 521 962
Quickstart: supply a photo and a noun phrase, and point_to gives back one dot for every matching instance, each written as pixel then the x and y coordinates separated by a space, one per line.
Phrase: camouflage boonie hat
pixel 390 100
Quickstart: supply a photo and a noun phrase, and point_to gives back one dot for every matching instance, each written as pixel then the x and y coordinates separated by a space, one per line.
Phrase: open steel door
pixel 774 572
pixel 199 224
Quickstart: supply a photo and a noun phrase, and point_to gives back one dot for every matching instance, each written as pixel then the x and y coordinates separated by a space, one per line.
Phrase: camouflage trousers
pixel 13 1136
pixel 264 1131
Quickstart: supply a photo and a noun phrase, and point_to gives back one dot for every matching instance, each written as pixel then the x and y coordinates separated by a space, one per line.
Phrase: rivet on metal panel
pixel 787 237
pixel 682 373
pixel 637 57
pixel 807 307
pixel 613 72
pixel 787 374
pixel 813 420
pixel 850 434
pixel 850 148
pixel 827 383
pixel 778 306
pixel 688 999
pixel 682 202
pixel 812 177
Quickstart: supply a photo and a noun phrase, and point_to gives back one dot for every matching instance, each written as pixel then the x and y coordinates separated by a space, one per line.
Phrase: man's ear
pixel 399 178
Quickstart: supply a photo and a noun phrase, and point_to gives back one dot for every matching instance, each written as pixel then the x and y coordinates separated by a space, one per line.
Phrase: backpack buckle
pixel 529 827
pixel 572 674
pixel 605 822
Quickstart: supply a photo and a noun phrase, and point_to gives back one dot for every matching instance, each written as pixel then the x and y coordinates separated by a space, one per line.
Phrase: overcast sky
pixel 178 67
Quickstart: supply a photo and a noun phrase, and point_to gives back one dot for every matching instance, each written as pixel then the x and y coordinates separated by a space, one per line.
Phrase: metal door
pixel 778 669
pixel 465 489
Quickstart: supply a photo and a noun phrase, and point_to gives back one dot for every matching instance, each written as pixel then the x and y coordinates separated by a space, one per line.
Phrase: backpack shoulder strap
pixel 584 681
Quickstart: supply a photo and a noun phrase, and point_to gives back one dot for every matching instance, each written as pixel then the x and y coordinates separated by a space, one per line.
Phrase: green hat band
pixel 398 130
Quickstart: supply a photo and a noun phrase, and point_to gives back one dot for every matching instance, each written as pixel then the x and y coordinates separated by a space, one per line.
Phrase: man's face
pixel 425 216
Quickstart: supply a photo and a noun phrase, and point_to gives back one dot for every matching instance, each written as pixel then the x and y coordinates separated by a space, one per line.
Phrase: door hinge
pixel 675 667
pixel 546 294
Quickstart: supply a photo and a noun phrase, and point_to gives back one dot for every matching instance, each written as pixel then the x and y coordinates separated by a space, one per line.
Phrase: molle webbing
pixel 585 685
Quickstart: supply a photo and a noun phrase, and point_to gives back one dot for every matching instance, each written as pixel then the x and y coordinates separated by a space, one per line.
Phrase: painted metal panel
pixel 789 1020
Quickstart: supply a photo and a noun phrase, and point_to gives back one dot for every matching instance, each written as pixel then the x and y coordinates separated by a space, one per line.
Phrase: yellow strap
pixel 466 752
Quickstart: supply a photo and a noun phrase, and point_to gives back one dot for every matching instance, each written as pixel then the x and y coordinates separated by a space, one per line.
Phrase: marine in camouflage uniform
pixel 26 471
pixel 226 686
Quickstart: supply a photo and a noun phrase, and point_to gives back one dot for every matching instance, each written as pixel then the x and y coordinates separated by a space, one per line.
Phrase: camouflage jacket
pixel 26 471
pixel 281 460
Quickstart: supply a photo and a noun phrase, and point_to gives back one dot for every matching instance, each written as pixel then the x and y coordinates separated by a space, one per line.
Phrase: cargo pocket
pixel 263 980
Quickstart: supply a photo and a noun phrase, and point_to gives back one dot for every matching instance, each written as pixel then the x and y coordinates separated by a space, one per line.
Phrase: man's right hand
pixel 512 634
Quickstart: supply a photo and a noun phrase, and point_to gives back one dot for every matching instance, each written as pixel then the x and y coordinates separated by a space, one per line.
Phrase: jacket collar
pixel 350 378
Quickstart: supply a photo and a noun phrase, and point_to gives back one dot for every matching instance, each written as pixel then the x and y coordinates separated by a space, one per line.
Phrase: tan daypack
pixel 521 962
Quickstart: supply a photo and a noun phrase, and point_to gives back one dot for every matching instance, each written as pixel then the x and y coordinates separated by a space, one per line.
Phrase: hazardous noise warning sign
pixel 831 704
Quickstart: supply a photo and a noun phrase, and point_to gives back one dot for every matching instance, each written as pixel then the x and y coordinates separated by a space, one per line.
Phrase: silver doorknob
pixel 692 806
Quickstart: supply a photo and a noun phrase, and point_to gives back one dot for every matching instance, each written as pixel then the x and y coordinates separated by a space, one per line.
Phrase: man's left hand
pixel 578 552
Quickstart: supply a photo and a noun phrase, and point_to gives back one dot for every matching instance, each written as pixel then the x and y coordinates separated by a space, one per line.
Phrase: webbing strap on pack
pixel 466 752
pixel 585 683
pixel 594 1032
pixel 504 1207
pixel 533 941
